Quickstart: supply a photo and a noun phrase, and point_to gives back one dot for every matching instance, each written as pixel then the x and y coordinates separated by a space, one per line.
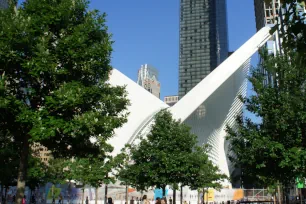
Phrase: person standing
pixel 33 200
pixel 145 200
pixel 60 199
pixel 24 201
pixel 86 201
pixel 170 200
pixel 110 200
pixel 158 201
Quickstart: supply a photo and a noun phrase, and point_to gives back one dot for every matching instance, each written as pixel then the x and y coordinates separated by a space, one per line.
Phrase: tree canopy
pixel 273 148
pixel 54 67
pixel 167 156
pixel 204 173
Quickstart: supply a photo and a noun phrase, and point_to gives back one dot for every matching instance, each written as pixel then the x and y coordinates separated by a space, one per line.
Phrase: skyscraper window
pixel 204 21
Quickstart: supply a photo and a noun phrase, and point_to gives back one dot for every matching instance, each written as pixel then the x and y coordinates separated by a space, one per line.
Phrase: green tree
pixel 165 157
pixel 9 158
pixel 273 149
pixel 203 172
pixel 59 171
pixel 54 67
pixel 159 159
pixel 95 171
pixel 36 174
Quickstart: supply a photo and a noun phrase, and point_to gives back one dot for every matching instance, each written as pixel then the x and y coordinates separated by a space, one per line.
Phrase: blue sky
pixel 147 31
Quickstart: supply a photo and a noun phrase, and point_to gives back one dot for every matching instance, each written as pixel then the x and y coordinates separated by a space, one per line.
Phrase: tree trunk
pixel 83 192
pixel 96 198
pixel 174 195
pixel 198 196
pixel 300 195
pixel 5 195
pixel 274 200
pixel 1 191
pixel 105 197
pixel 164 191
pixel 181 194
pixel 207 196
pixel 203 195
pixel 22 171
pixel 279 194
pixel 126 195
pixel 52 192
pixel 30 198
pixel 69 191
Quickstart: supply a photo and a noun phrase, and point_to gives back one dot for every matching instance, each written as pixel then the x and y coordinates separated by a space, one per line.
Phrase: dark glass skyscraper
pixel 203 40
pixel 3 4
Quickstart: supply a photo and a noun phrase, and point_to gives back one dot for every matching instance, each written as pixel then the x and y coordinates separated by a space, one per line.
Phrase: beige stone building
pixel 41 152
pixel 148 79
pixel 171 100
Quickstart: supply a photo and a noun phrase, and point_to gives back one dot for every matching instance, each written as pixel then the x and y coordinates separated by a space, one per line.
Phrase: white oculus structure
pixel 207 108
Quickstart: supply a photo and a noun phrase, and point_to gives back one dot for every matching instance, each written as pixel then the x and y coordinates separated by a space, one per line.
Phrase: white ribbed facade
pixel 207 108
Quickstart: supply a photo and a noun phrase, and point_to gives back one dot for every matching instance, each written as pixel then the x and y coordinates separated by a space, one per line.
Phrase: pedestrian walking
pixel 86 201
pixel 170 200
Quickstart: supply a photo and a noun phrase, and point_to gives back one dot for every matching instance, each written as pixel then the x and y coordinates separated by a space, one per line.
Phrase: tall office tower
pixel 148 79
pixel 3 3
pixel 266 12
pixel 203 40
